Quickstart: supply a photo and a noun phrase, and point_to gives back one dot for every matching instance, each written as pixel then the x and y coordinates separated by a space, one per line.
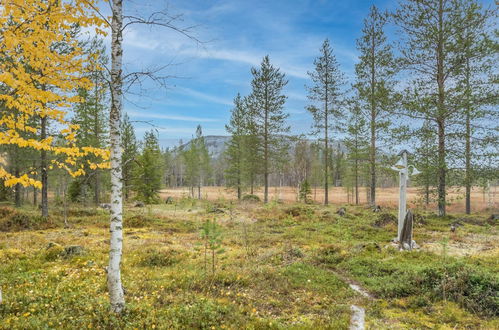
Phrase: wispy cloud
pixel 156 115
pixel 203 96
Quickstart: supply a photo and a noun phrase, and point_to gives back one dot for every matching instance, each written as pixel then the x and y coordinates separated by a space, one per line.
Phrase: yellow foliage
pixel 39 80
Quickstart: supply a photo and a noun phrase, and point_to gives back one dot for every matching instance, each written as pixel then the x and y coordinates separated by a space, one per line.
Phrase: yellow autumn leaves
pixel 41 66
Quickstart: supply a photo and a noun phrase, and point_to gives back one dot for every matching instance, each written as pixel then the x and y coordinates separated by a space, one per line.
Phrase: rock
pixel 139 204
pixel 341 211
pixel 169 200
pixel 105 206
pixel 73 250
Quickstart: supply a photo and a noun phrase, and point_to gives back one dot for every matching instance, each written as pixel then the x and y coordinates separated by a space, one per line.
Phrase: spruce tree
pixel 130 147
pixel 267 116
pixel 90 115
pixel 149 170
pixel 197 162
pixel 325 93
pixel 374 84
pixel 235 149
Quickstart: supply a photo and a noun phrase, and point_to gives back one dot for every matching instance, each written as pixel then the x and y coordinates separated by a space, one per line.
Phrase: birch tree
pixel 325 92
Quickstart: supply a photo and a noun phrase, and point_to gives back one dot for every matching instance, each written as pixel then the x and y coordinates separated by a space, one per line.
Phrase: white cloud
pixel 155 115
pixel 203 96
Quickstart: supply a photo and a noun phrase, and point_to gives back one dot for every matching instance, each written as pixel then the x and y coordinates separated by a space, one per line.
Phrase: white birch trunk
pixel 116 246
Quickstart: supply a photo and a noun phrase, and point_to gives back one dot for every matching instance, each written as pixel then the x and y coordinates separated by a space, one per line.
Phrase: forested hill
pixel 216 144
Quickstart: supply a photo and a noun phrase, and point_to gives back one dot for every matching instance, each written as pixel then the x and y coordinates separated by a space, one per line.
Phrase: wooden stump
pixel 406 234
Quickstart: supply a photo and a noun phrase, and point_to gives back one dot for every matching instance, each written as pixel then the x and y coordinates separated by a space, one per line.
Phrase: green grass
pixel 283 266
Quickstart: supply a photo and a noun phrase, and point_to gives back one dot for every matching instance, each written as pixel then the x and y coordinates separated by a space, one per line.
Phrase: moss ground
pixel 282 267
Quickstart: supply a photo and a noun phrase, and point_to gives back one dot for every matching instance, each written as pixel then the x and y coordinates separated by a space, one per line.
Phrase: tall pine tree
pixel 267 116
pixel 326 94
pixel 374 84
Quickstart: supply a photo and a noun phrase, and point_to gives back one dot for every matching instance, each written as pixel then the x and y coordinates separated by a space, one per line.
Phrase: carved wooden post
pixel 403 173
pixel 405 241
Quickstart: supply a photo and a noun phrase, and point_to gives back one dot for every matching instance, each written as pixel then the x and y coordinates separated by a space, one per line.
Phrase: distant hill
pixel 216 144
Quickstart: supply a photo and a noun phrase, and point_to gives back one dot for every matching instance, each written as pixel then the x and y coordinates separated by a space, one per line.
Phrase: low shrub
pixel 53 252
pixel 17 221
pixel 384 219
pixel 299 210
pixel 138 221
pixel 251 198
pixel 160 258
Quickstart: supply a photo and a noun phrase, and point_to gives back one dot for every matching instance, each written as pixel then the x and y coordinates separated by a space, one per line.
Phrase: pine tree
pixel 128 158
pixel 325 93
pixel 235 149
pixel 479 93
pixel 148 172
pixel 356 144
pixel 374 84
pixel 430 51
pixel 204 160
pixel 267 117
pixel 197 162
pixel 425 157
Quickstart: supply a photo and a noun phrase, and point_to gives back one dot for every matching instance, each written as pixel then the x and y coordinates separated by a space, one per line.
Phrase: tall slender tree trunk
pixel 43 169
pixel 17 187
pixel 441 115
pixel 468 178
pixel 96 187
pixel 114 285
pixel 326 158
pixel 266 153
pixel 372 150
pixel 356 181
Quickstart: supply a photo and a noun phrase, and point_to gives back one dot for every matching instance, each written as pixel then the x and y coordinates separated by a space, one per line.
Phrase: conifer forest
pixel 235 164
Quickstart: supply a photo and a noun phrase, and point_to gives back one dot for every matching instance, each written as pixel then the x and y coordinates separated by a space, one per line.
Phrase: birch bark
pixel 115 287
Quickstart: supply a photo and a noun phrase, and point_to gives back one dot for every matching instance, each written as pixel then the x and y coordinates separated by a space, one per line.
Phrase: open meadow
pixel 276 266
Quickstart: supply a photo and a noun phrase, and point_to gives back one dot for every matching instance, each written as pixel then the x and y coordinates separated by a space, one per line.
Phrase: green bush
pixel 17 221
pixel 138 221
pixel 160 258
pixel 251 198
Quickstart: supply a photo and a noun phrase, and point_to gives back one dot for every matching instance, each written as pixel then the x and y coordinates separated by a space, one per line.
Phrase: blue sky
pixel 236 35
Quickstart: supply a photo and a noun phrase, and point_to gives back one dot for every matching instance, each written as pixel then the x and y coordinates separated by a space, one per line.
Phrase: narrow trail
pixel 357 321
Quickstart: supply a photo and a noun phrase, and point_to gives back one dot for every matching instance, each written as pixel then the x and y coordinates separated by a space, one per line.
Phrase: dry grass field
pixel 339 195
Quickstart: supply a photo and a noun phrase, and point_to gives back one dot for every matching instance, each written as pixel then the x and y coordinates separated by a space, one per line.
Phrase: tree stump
pixel 406 234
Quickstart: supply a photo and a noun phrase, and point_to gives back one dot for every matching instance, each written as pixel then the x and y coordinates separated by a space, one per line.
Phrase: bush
pixel 138 221
pixel 331 254
pixel 251 198
pixel 384 219
pixel 299 210
pixel 53 252
pixel 10 254
pixel 160 258
pixel 17 221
